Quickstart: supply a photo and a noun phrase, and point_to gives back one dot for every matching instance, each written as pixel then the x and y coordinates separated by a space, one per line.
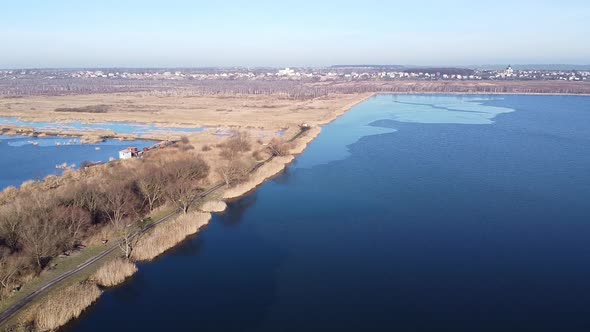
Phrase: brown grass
pixel 61 307
pixel 213 206
pixel 269 169
pixel 114 272
pixel 167 235
pixel 271 112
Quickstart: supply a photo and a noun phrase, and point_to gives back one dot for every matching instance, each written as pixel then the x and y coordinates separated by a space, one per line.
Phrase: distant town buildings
pixel 339 73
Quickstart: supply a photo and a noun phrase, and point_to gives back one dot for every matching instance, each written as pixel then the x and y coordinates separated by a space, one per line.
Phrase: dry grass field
pixel 255 111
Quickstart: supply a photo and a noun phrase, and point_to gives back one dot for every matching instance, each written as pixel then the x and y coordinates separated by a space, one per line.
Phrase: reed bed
pixel 60 307
pixel 213 206
pixel 167 235
pixel 269 169
pixel 114 272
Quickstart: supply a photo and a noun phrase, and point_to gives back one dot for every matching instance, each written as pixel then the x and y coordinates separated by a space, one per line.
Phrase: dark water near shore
pixel 446 213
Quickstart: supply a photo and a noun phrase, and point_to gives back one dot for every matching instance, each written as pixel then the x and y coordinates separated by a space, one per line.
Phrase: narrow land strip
pixel 10 312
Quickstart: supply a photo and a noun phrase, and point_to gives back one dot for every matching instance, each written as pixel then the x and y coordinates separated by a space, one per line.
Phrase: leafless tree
pixel 233 172
pixel 120 205
pixel 152 184
pixel 279 146
pixel 186 168
pixel 88 197
pixel 183 193
pixel 11 221
pixel 239 142
pixel 42 238
pixel 10 266
pixel 74 220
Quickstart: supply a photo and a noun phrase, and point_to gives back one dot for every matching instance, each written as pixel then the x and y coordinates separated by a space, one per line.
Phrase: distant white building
pixel 286 72
pixel 509 71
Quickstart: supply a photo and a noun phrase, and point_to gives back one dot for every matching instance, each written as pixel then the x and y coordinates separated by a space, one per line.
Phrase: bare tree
pixel 185 175
pixel 88 197
pixel 279 146
pixel 119 205
pixel 10 266
pixel 41 237
pixel 74 220
pixel 11 220
pixel 118 202
pixel 233 172
pixel 152 184
pixel 183 193
pixel 233 146
pixel 187 168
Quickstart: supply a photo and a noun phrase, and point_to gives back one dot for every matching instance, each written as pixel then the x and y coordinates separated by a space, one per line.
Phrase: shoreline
pixel 485 93
pixel 16 318
pixel 269 170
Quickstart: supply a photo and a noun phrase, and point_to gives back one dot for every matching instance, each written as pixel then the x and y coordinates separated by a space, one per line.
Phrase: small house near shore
pixel 128 153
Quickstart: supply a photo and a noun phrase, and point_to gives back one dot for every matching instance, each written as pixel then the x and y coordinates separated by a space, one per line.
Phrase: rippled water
pixel 409 213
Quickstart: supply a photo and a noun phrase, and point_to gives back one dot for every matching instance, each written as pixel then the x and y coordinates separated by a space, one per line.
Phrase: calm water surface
pixel 21 160
pixel 409 213
pixel 118 127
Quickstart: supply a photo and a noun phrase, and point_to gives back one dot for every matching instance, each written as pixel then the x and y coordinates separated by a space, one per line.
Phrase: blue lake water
pixel 118 127
pixel 21 160
pixel 408 213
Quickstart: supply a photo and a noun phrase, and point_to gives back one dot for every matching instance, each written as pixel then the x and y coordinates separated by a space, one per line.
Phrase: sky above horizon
pixel 177 33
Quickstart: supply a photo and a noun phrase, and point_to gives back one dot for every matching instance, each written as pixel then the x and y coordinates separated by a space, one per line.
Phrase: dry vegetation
pixel 85 109
pixel 167 235
pixel 269 169
pixel 213 206
pixel 62 214
pixel 255 111
pixel 61 307
pixel 42 220
pixel 114 272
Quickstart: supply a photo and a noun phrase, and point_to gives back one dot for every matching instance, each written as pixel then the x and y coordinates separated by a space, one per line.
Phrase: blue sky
pixel 64 33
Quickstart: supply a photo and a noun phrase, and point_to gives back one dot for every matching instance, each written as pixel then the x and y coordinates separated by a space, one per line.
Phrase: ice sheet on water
pixel 333 142
pixel 441 109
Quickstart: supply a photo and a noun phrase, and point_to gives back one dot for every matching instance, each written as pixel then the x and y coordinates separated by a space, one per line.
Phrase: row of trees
pixel 44 219
pixel 37 225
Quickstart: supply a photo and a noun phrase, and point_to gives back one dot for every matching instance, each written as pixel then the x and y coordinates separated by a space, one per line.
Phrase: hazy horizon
pixel 532 66
pixel 184 34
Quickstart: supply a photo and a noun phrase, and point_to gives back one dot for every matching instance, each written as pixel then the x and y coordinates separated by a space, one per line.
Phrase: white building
pixel 509 71
pixel 125 154
pixel 286 72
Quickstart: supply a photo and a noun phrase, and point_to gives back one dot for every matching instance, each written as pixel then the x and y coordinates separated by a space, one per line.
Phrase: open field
pixel 255 111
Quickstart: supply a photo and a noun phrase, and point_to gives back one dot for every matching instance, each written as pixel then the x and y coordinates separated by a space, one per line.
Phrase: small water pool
pixel 118 127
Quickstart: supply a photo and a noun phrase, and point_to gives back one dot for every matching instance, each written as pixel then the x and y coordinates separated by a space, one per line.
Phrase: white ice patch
pixel 440 109
pixel 333 142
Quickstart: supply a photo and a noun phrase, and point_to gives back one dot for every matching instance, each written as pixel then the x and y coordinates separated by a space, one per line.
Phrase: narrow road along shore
pixel 10 312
